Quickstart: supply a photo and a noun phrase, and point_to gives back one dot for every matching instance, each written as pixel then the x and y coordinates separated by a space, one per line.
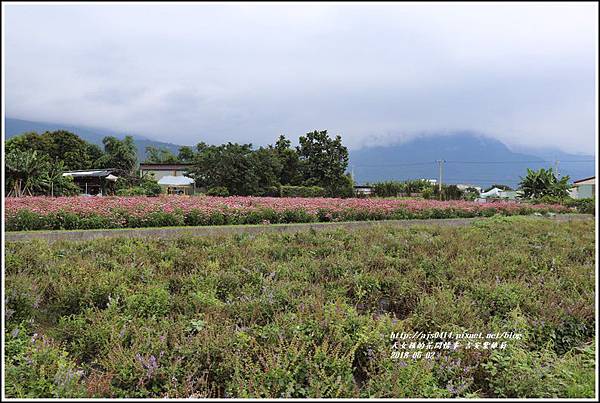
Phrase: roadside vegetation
pixel 303 315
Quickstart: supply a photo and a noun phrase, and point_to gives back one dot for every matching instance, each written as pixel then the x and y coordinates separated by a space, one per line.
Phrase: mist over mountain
pixel 470 158
pixel 14 127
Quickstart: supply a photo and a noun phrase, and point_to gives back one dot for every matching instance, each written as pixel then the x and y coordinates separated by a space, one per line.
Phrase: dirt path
pixel 176 232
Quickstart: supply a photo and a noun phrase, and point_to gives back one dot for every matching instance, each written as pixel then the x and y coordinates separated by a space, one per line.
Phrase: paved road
pixel 175 232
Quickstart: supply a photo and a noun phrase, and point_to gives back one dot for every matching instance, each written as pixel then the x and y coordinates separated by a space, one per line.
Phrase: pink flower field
pixel 116 212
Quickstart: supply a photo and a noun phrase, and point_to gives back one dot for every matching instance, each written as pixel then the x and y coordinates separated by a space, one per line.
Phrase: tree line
pixel 35 162
pixel 319 161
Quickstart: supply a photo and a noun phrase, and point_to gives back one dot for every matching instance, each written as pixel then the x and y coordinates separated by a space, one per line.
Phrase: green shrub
pixel 36 367
pixel 152 302
pixel 25 220
pixel 272 191
pixel 302 191
pixel 388 188
pixel 151 187
pixel 304 315
pixel 584 206
pixel 132 191
pixel 218 191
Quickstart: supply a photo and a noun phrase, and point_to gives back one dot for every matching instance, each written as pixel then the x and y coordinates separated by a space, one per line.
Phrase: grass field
pixel 304 315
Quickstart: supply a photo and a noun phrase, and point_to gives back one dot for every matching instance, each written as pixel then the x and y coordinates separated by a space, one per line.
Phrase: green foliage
pixel 323 162
pixel 236 167
pixel 524 374
pixel 132 191
pixel 397 188
pixel 151 187
pixel 303 315
pixel 159 155
pixel 36 367
pixel 120 155
pixel 302 191
pixel 58 146
pixel 35 162
pixel 537 184
pixel 218 191
pixel 388 188
pixel 470 194
pixel 152 302
pixel 290 162
pixel 29 173
pixel 186 154
pixel 449 192
pixel 583 206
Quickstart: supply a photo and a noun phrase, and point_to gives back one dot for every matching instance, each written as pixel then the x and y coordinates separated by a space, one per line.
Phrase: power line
pixel 470 162
pixel 395 165
pixel 515 162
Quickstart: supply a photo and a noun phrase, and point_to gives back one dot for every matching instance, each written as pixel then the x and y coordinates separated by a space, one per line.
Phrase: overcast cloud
pixel 524 74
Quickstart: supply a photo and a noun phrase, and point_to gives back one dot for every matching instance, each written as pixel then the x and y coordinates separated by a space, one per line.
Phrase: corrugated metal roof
pixel 91 172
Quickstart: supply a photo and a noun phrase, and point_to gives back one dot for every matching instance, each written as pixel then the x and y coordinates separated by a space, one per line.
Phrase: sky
pixel 247 72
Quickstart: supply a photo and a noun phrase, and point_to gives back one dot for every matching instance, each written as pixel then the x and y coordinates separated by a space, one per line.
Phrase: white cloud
pixel 524 73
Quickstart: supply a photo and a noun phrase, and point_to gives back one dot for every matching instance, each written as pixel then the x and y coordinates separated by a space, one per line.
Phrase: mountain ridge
pixel 14 127
pixel 471 157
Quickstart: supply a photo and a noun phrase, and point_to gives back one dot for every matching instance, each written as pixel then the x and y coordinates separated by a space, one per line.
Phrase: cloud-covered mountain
pixel 470 158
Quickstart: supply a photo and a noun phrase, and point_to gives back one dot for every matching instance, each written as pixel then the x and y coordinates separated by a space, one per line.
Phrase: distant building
pixel 160 170
pixel 497 193
pixel 464 187
pixel 93 182
pixel 584 188
pixel 364 190
pixel 171 177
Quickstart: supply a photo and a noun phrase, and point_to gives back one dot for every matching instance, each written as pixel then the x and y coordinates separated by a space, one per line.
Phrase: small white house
pixel 177 184
pixel 584 188
pixel 497 193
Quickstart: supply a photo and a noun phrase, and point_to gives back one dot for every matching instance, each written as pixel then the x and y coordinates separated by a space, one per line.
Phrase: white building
pixel 584 188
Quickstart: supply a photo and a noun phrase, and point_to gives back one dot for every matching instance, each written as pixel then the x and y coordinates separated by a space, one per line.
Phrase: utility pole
pixel 441 165
pixel 556 162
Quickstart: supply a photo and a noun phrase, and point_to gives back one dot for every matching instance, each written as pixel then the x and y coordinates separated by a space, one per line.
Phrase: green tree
pixel 417 186
pixel 388 188
pixel 186 154
pixel 120 155
pixel 450 192
pixel 267 169
pixel 227 165
pixel 237 168
pixel 289 161
pixel 537 184
pixel 57 146
pixel 24 172
pixel 160 155
pixel 56 184
pixel 323 162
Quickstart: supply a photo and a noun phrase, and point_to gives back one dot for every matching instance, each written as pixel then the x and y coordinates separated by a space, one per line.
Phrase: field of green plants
pixel 304 315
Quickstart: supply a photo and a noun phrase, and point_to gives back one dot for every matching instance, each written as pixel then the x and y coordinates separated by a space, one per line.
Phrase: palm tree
pixel 537 184
pixel 25 172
